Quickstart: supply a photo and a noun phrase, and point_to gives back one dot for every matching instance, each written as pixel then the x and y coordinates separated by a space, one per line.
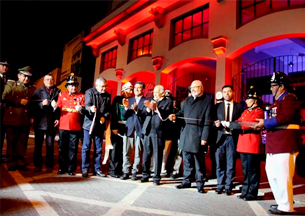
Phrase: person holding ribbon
pixel 156 111
pixel 97 111
pixel 71 104
pixel 196 113
pixel 282 145
pixel 249 144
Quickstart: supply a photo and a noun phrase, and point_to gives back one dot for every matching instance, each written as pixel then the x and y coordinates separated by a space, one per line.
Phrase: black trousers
pixel 17 142
pixel 225 163
pixel 194 162
pixel 251 169
pixel 68 146
pixel 116 155
pixel 39 137
pixel 153 144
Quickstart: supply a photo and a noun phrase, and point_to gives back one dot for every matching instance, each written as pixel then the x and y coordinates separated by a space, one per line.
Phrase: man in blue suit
pixel 134 139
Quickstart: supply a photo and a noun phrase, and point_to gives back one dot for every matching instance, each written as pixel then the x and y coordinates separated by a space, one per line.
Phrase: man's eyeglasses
pixel 273 85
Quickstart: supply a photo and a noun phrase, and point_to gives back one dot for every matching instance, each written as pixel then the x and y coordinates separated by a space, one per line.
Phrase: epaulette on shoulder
pixel 10 81
pixel 293 95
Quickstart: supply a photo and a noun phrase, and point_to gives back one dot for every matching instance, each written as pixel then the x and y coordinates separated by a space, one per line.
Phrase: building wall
pixel 222 22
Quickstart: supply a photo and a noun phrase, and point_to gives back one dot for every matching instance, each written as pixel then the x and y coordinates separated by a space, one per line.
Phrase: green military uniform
pixel 17 121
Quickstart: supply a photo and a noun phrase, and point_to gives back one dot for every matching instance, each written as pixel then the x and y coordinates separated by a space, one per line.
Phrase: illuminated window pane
pixel 247 3
pixel 114 53
pixel 196 32
pixel 206 15
pixel 134 45
pixel 109 64
pixel 186 35
pixel 197 19
pixel 105 65
pixel 262 8
pixel 113 63
pixel 205 31
pixel 140 41
pixel 106 57
pixel 145 52
pixel 134 55
pixel 278 4
pixel 247 14
pixel 151 38
pixel 187 23
pixel 178 26
pixel 146 40
pixel 150 49
pixel 297 2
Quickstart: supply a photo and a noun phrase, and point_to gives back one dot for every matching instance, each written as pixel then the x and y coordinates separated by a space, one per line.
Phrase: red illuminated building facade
pixel 173 42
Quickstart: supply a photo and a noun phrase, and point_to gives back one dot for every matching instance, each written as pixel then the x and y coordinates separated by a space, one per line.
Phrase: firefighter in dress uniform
pixel 71 104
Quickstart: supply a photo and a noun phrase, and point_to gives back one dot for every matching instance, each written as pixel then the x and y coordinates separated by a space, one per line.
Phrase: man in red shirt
pixel 70 104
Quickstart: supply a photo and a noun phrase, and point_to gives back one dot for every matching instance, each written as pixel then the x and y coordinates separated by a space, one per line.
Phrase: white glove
pixel 225 123
pixel 54 104
pixel 78 107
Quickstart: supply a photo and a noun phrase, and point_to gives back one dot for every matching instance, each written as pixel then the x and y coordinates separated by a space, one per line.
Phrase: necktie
pixel 228 112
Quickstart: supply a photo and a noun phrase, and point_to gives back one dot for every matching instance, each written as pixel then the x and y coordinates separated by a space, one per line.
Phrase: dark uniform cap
pixel 280 78
pixel 254 93
pixel 5 63
pixel 25 71
pixel 71 80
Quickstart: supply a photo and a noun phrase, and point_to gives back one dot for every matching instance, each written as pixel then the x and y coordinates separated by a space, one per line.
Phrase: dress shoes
pixel 174 176
pixel 219 190
pixel 23 168
pixel 99 174
pixel 241 196
pixel 200 189
pixel 274 206
pixel 85 174
pixel 143 179
pixel 113 175
pixel 11 168
pixel 228 192
pixel 181 186
pixel 156 183
pixel 134 176
pixel 249 198
pixel 49 170
pixel 37 169
pixel 61 171
pixel 279 212
pixel 125 176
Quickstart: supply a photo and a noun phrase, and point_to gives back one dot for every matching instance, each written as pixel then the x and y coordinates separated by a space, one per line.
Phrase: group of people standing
pixel 142 125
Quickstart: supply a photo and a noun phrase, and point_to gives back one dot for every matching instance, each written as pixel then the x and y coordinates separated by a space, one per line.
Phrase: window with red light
pixel 252 9
pixel 194 24
pixel 141 45
pixel 109 58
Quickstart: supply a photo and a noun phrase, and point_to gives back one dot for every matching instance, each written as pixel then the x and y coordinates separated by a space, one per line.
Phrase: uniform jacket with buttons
pixel 17 114
pixel 249 141
pixel 285 110
pixel 70 119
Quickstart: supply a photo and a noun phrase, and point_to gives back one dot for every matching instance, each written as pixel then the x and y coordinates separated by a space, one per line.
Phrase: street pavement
pixel 30 193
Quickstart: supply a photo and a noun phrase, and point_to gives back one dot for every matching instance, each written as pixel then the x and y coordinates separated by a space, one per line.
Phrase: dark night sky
pixel 34 32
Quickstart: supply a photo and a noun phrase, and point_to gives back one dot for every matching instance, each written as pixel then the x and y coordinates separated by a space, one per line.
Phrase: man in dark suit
pixel 134 138
pixel 157 110
pixel 46 120
pixel 226 140
pixel 197 114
